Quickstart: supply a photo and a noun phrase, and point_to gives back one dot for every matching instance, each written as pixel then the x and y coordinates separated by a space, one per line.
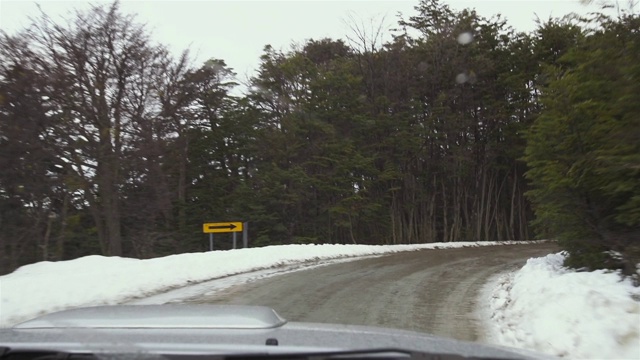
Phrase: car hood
pixel 220 329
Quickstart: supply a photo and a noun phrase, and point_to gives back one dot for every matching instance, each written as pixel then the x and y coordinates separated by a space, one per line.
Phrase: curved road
pixel 431 291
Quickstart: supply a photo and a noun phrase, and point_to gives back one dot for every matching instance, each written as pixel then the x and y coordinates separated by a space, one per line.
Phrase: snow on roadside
pixel 210 287
pixel 550 309
pixel 45 287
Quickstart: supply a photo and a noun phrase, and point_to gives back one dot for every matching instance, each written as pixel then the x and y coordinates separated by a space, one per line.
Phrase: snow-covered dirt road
pixel 427 291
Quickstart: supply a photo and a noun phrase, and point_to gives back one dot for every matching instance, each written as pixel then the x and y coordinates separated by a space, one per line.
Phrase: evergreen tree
pixel 583 149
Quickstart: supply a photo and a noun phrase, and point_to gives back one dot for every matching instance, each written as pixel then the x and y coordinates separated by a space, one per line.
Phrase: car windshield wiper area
pixel 390 353
pixel 8 354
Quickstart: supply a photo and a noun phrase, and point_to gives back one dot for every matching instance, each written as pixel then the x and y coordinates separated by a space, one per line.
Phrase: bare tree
pixel 99 63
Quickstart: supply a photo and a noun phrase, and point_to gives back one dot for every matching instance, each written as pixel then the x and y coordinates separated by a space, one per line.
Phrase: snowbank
pixel 45 287
pixel 550 309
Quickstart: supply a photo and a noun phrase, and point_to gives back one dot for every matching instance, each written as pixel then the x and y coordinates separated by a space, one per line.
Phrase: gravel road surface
pixel 431 291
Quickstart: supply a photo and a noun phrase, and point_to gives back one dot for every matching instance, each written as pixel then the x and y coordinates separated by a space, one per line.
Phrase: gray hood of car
pixel 160 316
pixel 220 329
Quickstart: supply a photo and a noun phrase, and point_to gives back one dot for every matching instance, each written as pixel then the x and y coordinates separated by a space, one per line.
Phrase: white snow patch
pixel 550 309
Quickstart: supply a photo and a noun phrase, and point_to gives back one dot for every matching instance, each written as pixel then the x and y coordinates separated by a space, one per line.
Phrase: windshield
pixel 431 165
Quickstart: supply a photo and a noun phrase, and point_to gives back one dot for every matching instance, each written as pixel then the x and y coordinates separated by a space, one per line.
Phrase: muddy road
pixel 431 291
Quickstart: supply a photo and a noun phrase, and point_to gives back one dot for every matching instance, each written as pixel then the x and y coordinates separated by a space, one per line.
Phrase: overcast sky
pixel 236 31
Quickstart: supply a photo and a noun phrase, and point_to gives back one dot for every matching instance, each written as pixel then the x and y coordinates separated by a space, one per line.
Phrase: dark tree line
pixel 460 128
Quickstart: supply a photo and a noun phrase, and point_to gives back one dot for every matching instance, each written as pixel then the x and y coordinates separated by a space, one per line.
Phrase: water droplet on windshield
pixel 461 78
pixel 465 38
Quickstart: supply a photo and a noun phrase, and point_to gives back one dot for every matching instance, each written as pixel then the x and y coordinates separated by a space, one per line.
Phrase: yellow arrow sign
pixel 222 227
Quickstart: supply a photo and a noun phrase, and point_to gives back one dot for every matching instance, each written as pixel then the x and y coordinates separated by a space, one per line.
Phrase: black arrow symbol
pixel 230 227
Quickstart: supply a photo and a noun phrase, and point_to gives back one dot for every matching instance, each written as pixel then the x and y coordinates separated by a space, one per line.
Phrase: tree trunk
pixel 60 240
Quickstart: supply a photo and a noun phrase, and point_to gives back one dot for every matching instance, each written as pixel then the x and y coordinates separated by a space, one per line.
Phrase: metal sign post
pixel 210 241
pixel 245 236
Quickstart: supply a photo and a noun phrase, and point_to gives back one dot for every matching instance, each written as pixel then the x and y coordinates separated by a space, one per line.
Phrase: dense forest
pixel 458 129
